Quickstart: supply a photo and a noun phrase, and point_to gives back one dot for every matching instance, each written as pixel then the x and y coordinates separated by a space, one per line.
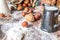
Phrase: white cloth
pixel 34 33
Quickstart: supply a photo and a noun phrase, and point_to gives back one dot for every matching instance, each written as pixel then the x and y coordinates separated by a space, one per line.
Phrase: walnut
pixel 2 15
pixel 19 7
pixel 25 24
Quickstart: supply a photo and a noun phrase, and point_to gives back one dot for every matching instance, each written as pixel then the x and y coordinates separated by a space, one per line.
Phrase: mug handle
pixel 56 14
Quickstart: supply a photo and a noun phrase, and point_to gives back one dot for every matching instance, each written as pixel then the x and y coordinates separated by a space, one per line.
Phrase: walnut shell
pixel 8 16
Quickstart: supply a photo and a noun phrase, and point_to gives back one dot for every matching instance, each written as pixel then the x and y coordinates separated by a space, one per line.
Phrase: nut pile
pixel 5 16
pixel 31 17
pixel 27 7
pixel 24 5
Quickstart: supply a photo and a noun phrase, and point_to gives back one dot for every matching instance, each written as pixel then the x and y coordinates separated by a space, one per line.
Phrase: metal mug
pixel 50 16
